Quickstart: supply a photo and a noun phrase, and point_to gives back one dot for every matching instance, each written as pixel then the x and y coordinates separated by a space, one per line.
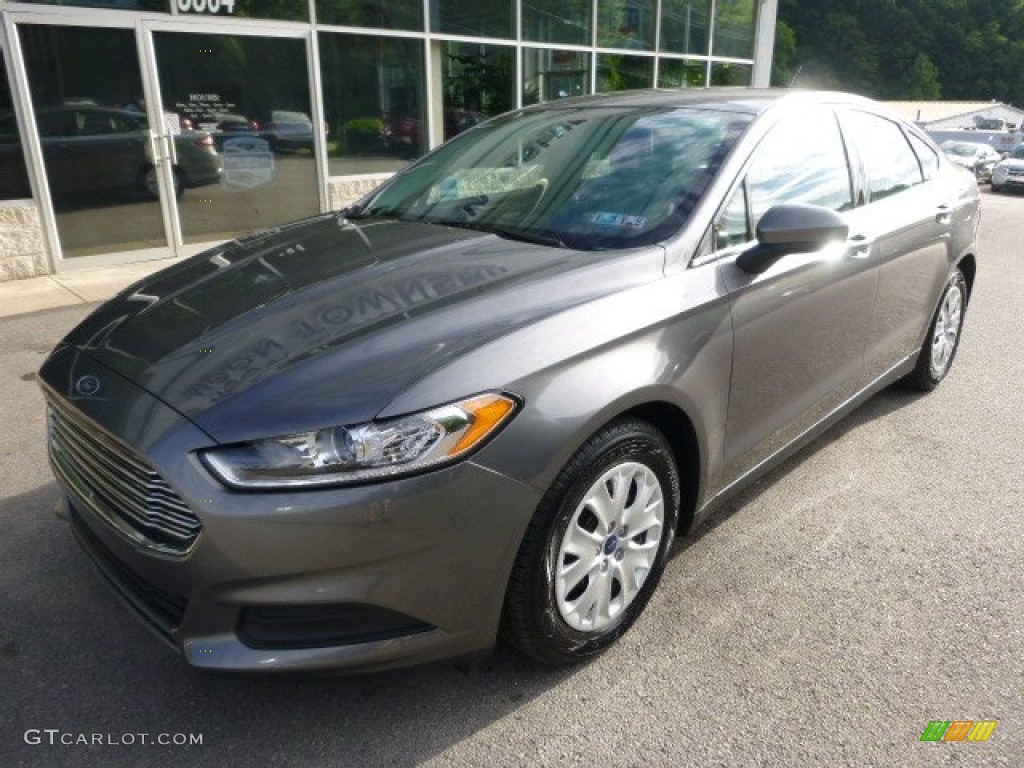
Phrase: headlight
pixel 372 451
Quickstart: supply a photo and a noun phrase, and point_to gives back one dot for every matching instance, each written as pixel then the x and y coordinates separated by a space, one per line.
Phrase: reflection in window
pixel 928 157
pixel 479 82
pixel 383 14
pixel 553 74
pixel 251 94
pixel 617 72
pixel 684 26
pixel 557 21
pixel 479 18
pixel 373 101
pixel 802 160
pixel 588 178
pixel 731 74
pixel 889 162
pixel 13 176
pixel 681 73
pixel 85 82
pixel 625 24
pixel 122 5
pixel 732 229
pixel 735 22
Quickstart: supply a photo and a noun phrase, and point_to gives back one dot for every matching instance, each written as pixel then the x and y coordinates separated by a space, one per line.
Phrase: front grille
pixel 118 485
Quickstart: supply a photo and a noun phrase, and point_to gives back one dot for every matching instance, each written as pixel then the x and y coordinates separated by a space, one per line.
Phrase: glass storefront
pixel 551 74
pixel 735 28
pixel 250 97
pixel 174 123
pixel 87 93
pixel 373 102
pixel 13 174
pixel 684 26
pixel 478 82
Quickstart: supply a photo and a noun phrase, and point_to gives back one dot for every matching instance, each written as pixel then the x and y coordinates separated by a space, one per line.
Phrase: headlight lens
pixel 372 451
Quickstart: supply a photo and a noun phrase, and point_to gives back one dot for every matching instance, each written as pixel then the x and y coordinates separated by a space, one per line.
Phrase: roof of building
pixel 932 111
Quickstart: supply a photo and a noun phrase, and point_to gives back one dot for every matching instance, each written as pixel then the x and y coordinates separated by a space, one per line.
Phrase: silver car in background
pixel 1009 172
pixel 485 399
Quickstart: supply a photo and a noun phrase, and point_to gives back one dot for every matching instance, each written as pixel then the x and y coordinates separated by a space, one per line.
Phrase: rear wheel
pixel 596 547
pixel 149 187
pixel 943 339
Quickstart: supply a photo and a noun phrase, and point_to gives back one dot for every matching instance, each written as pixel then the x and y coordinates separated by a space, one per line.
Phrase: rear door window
pixel 889 162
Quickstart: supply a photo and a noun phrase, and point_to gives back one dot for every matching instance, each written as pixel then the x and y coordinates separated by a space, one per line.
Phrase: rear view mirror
pixel 791 228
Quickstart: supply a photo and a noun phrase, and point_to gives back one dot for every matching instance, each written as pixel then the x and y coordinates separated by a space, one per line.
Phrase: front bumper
pixel 1002 177
pixel 368 577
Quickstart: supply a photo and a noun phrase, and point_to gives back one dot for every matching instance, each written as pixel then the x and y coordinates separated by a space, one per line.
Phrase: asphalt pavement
pixel 868 586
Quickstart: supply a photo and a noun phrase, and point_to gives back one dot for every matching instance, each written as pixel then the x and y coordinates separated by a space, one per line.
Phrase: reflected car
pixel 89 150
pixel 289 131
pixel 1009 172
pixel 486 399
pixel 230 125
pixel 978 158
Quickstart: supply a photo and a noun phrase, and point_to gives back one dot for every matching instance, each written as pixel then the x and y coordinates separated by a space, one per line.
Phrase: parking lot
pixel 868 586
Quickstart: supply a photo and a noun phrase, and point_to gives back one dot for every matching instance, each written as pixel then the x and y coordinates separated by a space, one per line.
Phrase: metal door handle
pixel 860 246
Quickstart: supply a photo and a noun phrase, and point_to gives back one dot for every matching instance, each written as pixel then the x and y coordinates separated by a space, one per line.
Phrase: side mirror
pixel 791 228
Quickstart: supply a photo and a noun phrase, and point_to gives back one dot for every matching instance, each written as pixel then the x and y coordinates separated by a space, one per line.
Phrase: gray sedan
pixel 487 398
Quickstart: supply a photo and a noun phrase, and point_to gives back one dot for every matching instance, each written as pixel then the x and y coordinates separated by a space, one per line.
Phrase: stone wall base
pixel 22 249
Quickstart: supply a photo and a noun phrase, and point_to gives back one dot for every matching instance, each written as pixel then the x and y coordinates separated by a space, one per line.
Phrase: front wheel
pixel 940 345
pixel 596 547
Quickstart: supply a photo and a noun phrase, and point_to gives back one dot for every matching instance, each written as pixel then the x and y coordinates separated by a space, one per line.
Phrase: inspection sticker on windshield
pixel 618 220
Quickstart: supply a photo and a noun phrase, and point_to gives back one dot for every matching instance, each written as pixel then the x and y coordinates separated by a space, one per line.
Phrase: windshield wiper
pixel 521 235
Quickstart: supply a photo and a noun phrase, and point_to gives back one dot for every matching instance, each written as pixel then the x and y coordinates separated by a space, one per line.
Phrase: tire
pixel 996 187
pixel 562 613
pixel 148 184
pixel 943 339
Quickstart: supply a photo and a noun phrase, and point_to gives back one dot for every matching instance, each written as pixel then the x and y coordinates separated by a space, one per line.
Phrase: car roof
pixel 746 100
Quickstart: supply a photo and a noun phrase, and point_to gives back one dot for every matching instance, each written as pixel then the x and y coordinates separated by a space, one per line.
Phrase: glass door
pixel 99 152
pixel 238 124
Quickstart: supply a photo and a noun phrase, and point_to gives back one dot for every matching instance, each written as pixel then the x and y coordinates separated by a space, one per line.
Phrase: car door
pixel 908 220
pixel 799 327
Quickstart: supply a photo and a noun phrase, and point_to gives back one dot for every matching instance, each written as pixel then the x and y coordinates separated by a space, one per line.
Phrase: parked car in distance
pixel 488 396
pixel 978 158
pixel 1009 172
pixel 288 130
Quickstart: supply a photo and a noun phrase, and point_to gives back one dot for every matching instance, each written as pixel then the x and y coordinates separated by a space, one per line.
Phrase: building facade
pixel 142 129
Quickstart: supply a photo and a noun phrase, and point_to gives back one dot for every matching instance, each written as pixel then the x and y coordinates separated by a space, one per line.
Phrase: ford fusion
pixel 484 400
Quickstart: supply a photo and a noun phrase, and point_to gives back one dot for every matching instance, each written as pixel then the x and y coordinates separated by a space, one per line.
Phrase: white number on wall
pixel 205 6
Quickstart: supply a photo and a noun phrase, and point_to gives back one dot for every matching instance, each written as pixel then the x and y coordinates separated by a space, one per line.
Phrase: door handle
pixel 154 154
pixel 170 149
pixel 944 215
pixel 860 246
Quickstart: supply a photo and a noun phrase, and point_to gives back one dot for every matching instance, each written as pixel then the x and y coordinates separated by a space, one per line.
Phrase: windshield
pixel 1018 152
pixel 960 150
pixel 583 177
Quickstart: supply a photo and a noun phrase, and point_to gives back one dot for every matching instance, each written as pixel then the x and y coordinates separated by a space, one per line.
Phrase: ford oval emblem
pixel 87 385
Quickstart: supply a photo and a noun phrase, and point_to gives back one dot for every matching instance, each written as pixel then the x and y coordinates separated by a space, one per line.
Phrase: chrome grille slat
pixel 128 502
pixel 130 494
pixel 123 488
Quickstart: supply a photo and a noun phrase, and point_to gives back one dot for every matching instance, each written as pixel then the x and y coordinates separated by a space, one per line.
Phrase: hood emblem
pixel 87 386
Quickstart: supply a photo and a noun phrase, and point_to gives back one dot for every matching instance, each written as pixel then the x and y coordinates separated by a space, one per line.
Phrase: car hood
pixel 325 321
pixel 1012 162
